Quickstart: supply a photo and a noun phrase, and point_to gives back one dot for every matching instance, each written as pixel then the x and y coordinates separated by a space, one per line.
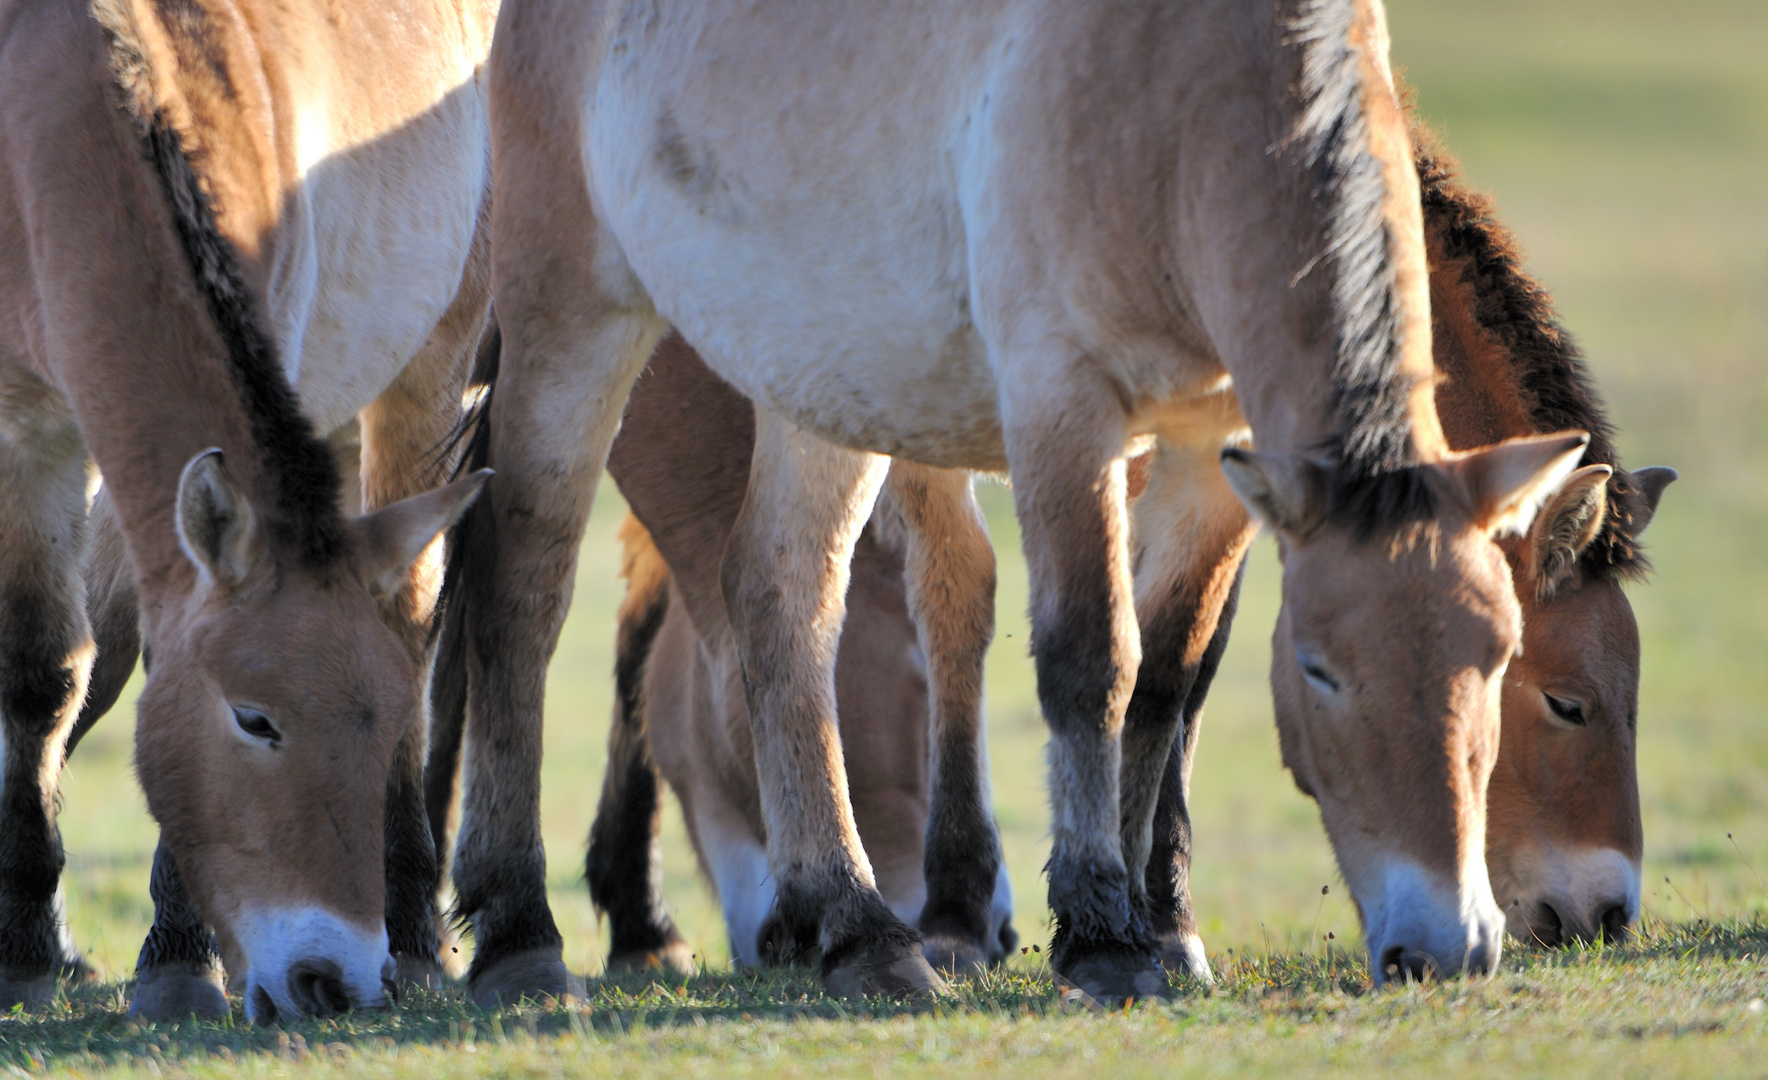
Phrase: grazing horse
pixel 1013 235
pixel 205 206
pixel 1564 841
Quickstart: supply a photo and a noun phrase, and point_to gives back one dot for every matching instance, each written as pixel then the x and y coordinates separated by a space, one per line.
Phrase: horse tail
pixel 468 543
pixel 623 867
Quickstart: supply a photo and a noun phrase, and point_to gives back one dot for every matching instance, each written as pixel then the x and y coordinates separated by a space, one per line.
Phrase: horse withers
pixel 1014 236
pixel 202 205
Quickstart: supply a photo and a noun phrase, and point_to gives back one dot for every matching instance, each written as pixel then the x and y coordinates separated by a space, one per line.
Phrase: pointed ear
pixel 1642 507
pixel 390 539
pixel 1568 521
pixel 1286 492
pixel 1505 484
pixel 217 527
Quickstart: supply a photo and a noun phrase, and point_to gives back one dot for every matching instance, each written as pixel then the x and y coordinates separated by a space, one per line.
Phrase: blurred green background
pixel 1626 142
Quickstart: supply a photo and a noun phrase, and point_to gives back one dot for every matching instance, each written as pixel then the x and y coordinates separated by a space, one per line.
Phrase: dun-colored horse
pixel 1015 235
pixel 1565 845
pixel 201 204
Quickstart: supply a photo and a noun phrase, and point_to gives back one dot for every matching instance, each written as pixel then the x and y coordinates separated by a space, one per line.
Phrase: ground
pixel 1626 143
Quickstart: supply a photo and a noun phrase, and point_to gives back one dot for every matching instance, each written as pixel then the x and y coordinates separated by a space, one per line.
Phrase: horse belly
pixel 372 253
pixel 819 263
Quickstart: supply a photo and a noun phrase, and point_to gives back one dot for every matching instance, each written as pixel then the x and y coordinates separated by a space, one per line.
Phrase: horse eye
pixel 1317 675
pixel 257 725
pixel 1566 709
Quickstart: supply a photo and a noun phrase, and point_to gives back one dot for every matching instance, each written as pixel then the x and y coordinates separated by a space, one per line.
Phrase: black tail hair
pixel 467 547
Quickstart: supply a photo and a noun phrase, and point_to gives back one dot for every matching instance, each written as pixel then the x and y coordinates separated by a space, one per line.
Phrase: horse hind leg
pixel 784 578
pixel 46 652
pixel 950 571
pixel 624 867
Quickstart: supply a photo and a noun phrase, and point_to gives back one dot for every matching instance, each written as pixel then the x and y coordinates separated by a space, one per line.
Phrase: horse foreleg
pixel 1191 536
pixel 784 579
pixel 46 654
pixel 1065 450
pixel 406 449
pixel 179 971
pixel 950 573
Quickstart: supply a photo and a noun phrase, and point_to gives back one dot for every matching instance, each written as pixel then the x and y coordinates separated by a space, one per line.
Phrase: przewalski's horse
pixel 1007 235
pixel 202 203
pixel 1564 840
pixel 682 461
pixel 1564 848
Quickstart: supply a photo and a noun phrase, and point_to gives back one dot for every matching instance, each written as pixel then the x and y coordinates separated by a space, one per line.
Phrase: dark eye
pixel 1317 674
pixel 257 725
pixel 1566 709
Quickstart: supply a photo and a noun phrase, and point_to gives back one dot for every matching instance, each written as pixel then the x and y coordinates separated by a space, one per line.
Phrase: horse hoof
pixel 1185 956
pixel 672 956
pixel 884 971
pixel 419 973
pixel 33 991
pixel 536 975
pixel 952 955
pixel 1112 977
pixel 178 991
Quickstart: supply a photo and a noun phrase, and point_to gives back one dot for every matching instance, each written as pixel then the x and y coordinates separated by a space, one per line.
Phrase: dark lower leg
pixel 624 866
pixel 950 572
pixel 42 679
pixel 178 937
pixel 1167 880
pixel 413 872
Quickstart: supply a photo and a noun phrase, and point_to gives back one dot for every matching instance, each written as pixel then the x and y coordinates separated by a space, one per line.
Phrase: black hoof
pixel 177 991
pixel 537 975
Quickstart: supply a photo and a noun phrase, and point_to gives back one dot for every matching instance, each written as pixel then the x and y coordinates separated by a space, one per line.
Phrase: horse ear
pixel 1505 484
pixel 390 539
pixel 1569 520
pixel 1642 507
pixel 216 525
pixel 1286 492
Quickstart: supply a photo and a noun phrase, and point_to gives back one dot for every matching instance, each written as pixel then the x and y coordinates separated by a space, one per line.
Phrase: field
pixel 1627 144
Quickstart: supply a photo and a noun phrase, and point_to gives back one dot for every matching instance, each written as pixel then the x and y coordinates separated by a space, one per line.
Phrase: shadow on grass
pixel 88 1024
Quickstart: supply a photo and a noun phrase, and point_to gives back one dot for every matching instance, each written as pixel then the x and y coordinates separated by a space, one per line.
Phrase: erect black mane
pixel 1549 368
pixel 299 480
pixel 1371 394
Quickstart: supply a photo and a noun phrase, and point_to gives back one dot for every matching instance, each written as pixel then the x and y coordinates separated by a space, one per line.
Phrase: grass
pixel 1625 141
pixel 1680 1000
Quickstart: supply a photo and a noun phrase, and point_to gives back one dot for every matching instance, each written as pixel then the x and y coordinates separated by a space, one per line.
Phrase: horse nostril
pixel 317 985
pixel 263 1006
pixel 1400 964
pixel 1614 923
pixel 1548 928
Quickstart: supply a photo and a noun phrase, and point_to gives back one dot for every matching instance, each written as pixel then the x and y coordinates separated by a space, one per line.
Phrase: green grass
pixel 1626 142
pixel 1680 1001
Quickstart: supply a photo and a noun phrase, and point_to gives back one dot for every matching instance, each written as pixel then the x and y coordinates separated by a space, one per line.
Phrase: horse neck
pixel 170 356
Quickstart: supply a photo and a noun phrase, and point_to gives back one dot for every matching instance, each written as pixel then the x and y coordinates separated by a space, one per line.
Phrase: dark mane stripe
pixel 299 476
pixel 1370 394
pixel 298 480
pixel 1550 373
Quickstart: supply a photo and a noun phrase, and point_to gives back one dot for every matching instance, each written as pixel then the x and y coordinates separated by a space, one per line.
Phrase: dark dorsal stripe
pixel 1550 374
pixel 298 477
